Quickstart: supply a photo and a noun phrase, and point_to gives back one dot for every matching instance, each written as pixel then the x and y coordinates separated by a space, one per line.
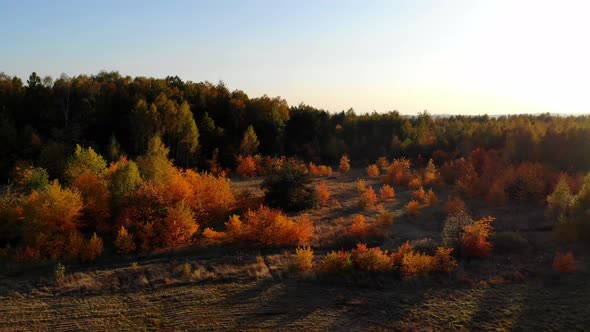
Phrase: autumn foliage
pixel 413 208
pixel 323 193
pixel 564 263
pixel 386 192
pixel 373 171
pixel 267 226
pixel 246 166
pixel 344 165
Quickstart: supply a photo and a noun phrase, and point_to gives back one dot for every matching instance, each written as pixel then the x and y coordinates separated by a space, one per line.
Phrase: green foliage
pixel 124 180
pixel 288 187
pixel 250 143
pixel 154 165
pixel 28 178
pixel 560 200
pixel 84 161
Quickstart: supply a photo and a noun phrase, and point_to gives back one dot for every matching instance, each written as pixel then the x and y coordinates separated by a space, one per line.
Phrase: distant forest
pixel 42 121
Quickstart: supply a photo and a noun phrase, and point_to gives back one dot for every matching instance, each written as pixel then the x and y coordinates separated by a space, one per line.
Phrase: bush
pixel 302 260
pixel 453 227
pixel 359 226
pixel 246 166
pixel 361 186
pixel 372 171
pixel 413 208
pixel 564 263
pixel 92 249
pixel 560 200
pixel 124 242
pixel 425 245
pixel 455 205
pixel 344 165
pixel 336 263
pixel 320 170
pixel 386 192
pixel 397 172
pixel 510 242
pixel 323 193
pixel 398 256
pixel 382 163
pixel 443 261
pixel 367 199
pixel 371 259
pixel 385 218
pixel 268 226
pixel 419 194
pixel 287 187
pixel 416 264
pixel 474 238
pixel 60 272
pixel 415 183
pixel 430 198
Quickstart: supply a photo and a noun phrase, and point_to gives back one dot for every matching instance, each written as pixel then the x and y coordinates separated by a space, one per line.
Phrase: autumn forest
pixel 104 171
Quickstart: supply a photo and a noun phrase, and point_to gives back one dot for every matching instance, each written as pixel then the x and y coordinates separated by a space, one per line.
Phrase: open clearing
pixel 248 289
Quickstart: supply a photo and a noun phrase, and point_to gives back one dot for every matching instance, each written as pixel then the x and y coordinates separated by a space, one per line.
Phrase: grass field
pixel 249 289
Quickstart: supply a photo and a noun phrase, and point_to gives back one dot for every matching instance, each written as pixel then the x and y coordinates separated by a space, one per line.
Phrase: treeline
pixel 206 124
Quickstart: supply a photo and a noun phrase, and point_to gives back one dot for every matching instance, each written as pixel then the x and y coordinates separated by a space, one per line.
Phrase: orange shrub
pixel 413 208
pixel 74 245
pixel 382 163
pixel 386 192
pixel 371 259
pixel 361 186
pixel 211 197
pixel 416 264
pixel 344 165
pixel 246 166
pixel 124 242
pixel 320 170
pixel 179 226
pixel 97 201
pixel 335 263
pixel 431 198
pixel 373 171
pixel 474 239
pixel 385 218
pixel 367 199
pixel 268 226
pixel 359 226
pixel 303 259
pixel 415 183
pixel 214 237
pixel 454 205
pixel 443 261
pixel 419 194
pixel 397 173
pixel 564 263
pixel 323 193
pixel 92 249
pixel 431 175
pixel 398 256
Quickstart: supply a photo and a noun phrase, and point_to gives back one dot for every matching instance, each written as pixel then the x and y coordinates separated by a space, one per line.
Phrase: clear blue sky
pixel 465 56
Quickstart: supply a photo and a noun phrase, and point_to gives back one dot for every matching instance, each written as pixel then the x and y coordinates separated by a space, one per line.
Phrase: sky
pixel 444 56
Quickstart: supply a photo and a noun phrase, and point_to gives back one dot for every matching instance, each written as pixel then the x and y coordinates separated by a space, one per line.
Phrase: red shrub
pixel 246 166
pixel 564 263
pixel 474 239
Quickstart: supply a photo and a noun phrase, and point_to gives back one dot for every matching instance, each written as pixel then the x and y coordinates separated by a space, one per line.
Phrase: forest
pixel 110 168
